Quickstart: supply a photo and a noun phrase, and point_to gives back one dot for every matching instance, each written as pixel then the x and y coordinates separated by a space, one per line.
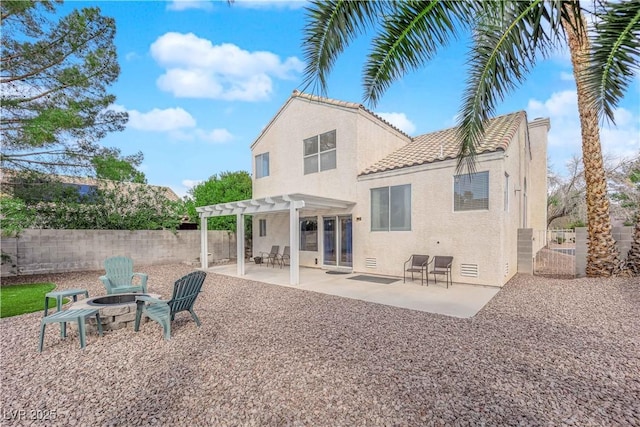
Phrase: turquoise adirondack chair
pixel 119 276
pixel 185 292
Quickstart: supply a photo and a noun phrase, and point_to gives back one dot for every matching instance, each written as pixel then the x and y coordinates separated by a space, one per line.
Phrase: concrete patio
pixel 460 300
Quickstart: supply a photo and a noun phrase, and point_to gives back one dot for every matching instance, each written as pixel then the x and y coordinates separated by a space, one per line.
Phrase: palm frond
pixel 615 56
pixel 330 27
pixel 507 39
pixel 410 36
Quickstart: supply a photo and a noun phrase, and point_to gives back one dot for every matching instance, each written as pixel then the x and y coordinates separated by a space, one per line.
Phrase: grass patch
pixel 20 299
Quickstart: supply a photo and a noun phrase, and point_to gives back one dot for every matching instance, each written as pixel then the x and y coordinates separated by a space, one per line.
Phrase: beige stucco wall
pixel 538 132
pixel 375 141
pixel 487 239
pixel 359 141
pixel 277 232
pixel 435 228
pixel 516 163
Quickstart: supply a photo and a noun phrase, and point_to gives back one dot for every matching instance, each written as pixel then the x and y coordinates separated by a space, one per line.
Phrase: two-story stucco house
pixel 344 189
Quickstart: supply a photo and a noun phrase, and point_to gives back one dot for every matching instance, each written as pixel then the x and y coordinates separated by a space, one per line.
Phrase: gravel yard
pixel 542 352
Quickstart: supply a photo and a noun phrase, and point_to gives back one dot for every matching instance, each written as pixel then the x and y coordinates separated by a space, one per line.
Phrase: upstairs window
pixel 391 208
pixel 320 152
pixel 471 192
pixel 262 165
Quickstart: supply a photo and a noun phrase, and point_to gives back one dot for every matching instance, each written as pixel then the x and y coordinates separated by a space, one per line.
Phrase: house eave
pixel 437 164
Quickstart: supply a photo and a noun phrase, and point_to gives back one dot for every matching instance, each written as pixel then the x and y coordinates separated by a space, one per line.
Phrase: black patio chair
pixel 416 264
pixel 441 266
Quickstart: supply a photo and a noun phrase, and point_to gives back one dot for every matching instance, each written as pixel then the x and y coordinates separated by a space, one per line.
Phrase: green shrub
pixel 576 223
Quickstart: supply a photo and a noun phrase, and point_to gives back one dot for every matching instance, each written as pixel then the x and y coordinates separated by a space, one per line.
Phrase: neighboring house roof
pixel 168 192
pixel 327 101
pixel 444 144
pixel 7 174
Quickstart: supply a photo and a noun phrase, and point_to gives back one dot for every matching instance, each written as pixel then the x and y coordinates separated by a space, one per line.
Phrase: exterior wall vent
pixel 506 269
pixel 469 270
pixel 371 262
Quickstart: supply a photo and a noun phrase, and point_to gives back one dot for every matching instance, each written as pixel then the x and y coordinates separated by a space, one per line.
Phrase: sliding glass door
pixel 338 241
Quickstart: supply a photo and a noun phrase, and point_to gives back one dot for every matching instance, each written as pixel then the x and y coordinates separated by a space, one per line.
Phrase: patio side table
pixel 72 315
pixel 59 296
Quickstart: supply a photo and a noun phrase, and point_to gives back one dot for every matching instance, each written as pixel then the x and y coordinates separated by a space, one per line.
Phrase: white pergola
pixel 293 203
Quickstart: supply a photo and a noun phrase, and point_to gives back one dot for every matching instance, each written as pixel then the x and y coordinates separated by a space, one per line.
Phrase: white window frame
pixel 390 226
pixel 476 182
pixel 304 240
pixel 261 161
pixel 318 153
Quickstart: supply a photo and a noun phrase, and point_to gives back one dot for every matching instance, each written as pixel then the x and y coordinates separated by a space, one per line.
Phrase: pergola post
pixel 293 203
pixel 240 243
pixel 204 244
pixel 294 239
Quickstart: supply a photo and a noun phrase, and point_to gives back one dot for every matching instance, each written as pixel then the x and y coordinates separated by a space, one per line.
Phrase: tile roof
pixel 444 144
pixel 7 175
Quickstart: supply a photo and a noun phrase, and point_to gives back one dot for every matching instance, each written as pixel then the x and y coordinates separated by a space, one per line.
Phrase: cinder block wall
pixel 57 251
pixel 525 250
pixel 622 235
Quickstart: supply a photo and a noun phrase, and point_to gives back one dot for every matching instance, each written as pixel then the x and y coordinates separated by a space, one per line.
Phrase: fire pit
pixel 113 299
pixel 116 311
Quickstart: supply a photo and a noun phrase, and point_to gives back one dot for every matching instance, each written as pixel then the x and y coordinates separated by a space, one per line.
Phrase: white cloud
pixel 565 139
pixel 196 68
pixel 161 120
pixel 562 104
pixel 131 56
pixel 400 121
pixel 190 183
pixel 567 77
pixel 186 184
pixel 180 5
pixel 215 135
pixel 176 122
pixel 622 117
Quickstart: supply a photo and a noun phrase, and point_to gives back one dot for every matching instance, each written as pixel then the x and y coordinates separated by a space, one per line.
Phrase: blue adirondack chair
pixel 119 276
pixel 185 292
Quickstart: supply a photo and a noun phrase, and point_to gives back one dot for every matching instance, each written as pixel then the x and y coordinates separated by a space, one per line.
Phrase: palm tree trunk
pixel 602 254
pixel 632 265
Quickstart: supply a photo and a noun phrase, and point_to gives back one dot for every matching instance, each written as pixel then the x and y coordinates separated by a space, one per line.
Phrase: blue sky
pixel 201 79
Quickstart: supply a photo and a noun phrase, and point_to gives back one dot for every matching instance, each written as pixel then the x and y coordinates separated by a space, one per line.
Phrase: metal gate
pixel 557 254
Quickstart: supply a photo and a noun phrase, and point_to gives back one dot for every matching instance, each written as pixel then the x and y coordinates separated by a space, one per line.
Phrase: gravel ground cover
pixel 542 352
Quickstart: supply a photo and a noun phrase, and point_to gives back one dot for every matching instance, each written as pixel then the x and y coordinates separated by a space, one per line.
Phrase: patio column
pixel 204 244
pixel 240 243
pixel 294 243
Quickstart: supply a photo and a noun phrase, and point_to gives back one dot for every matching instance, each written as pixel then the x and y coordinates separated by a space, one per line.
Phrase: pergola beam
pixel 291 203
pixel 272 204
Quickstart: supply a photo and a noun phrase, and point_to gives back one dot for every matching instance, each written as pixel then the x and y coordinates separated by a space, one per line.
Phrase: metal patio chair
pixel 285 257
pixel 271 257
pixel 416 264
pixel 441 266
